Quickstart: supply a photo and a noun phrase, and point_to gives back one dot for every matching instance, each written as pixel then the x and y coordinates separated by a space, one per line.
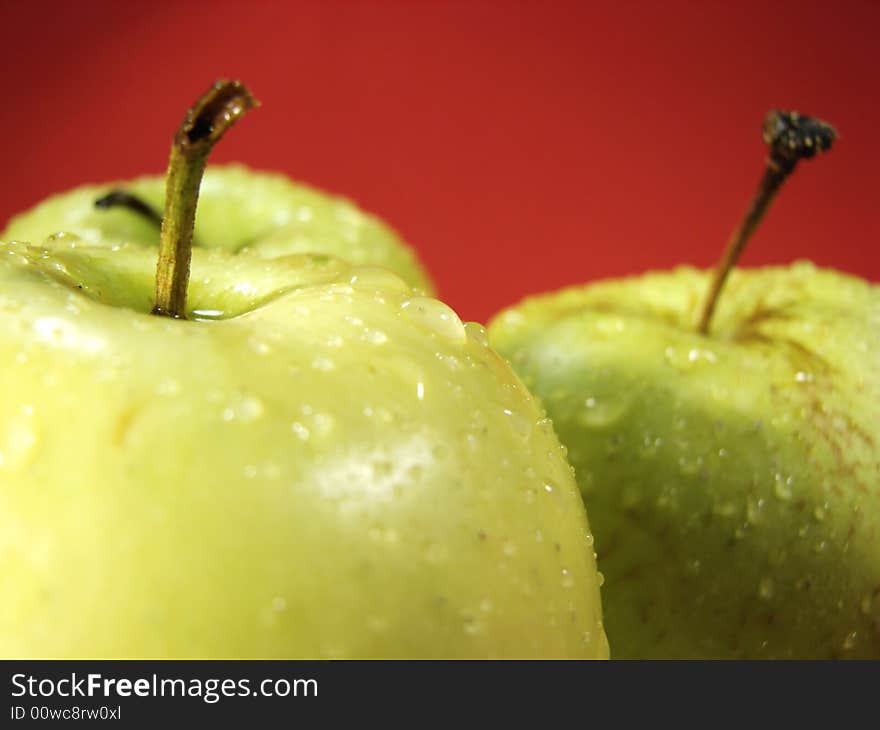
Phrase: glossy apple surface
pixel 732 480
pixel 319 462
pixel 261 214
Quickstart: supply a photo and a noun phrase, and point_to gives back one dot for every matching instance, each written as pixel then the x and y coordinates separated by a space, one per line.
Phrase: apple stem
pixel 790 137
pixel 202 127
pixel 123 199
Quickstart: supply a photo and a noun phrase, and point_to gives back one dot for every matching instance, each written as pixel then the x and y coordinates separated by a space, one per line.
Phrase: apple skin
pixel 262 214
pixel 732 481
pixel 337 467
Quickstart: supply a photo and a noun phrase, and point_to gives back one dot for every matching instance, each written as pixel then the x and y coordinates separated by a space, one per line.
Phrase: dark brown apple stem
pixel 202 127
pixel 790 137
pixel 124 199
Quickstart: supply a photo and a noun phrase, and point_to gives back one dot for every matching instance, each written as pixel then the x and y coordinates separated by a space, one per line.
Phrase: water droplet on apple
pixel 766 589
pixel 601 577
pixel 601 413
pixel 690 465
pixel 689 359
pixel 244 409
pixel 374 277
pixel 19 438
pixel 567 579
pixel 754 510
pixel 477 333
pixel 207 315
pixel 322 424
pixel 300 430
pixel 449 360
pixel 434 316
pixel 324 364
pixel 850 641
pixel 651 445
pixel 508 547
pixel 167 387
pixel 374 337
pixel 260 347
pixel 782 486
pixel 521 425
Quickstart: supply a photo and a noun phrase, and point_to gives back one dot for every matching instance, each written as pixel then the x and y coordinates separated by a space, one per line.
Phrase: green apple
pixel 732 478
pixel 260 214
pixel 310 459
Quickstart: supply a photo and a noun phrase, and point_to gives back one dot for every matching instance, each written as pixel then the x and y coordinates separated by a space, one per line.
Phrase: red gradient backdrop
pixel 520 146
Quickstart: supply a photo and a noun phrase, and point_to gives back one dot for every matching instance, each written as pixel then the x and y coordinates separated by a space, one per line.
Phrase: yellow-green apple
pixel 732 473
pixel 303 459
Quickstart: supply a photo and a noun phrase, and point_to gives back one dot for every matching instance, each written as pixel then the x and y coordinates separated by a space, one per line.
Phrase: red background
pixel 519 145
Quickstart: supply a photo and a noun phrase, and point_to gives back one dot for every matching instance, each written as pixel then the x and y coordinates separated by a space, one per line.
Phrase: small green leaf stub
pixel 123 199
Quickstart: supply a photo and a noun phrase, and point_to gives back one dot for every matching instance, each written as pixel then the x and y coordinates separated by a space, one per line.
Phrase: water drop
pixel 434 316
pixel 477 333
pixel 324 364
pixel 690 465
pixel 19 439
pixel 207 315
pixel 301 430
pixel 754 510
pixel 322 424
pixel 374 337
pixel 766 589
pixel 694 357
pixel 602 413
pixel 782 486
pixel 521 425
pixel 567 580
pixel 245 409
pixel 374 277
pixel 167 387
pixel 260 347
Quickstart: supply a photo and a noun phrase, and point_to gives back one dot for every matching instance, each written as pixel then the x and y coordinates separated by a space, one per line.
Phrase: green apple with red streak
pixel 729 459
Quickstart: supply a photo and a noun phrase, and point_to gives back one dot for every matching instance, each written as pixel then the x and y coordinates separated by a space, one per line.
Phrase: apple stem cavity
pixel 123 199
pixel 790 137
pixel 202 127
